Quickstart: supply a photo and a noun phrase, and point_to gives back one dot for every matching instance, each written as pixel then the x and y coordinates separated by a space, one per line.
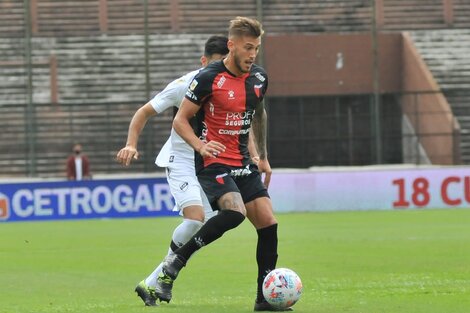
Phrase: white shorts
pixel 185 188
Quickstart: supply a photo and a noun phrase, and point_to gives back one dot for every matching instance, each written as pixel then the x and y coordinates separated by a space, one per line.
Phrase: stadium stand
pixel 316 16
pixel 415 14
pixel 65 17
pixel 446 54
pixel 96 103
pixel 127 17
pixel 11 19
pixel 94 51
pixel 461 13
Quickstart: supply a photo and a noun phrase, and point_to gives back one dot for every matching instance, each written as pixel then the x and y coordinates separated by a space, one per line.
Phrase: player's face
pixel 244 51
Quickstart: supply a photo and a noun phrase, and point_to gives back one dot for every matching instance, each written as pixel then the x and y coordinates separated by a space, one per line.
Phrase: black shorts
pixel 217 180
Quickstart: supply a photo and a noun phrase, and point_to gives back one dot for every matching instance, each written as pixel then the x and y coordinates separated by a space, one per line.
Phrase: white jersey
pixel 176 155
pixel 169 97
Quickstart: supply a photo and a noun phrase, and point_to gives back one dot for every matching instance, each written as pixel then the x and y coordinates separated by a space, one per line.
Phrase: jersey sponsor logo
pixel 193 85
pixel 258 89
pixel 238 118
pixel 239 115
pixel 237 123
pixel 4 207
pixel 233 132
pixel 221 82
pixel 231 95
pixel 260 77
pixel 220 178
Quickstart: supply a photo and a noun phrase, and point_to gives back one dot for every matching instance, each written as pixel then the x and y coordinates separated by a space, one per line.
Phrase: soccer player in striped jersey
pixel 227 99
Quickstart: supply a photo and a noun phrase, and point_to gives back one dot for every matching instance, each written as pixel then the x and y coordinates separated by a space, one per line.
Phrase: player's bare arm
pixel 252 148
pixel 183 127
pixel 140 118
pixel 259 127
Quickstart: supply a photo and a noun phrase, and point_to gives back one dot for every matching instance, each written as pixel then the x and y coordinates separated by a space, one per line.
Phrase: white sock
pixel 182 233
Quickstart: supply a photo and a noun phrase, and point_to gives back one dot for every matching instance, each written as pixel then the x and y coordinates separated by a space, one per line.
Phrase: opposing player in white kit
pixel 178 159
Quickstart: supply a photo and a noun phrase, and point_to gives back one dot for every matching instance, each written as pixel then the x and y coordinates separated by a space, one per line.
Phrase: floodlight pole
pixel 376 85
pixel 260 61
pixel 259 17
pixel 30 112
pixel 148 145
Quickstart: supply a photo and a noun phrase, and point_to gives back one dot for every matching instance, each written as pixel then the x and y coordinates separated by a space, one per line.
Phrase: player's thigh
pixel 260 212
pixel 221 190
pixel 186 191
pixel 251 186
pixel 208 211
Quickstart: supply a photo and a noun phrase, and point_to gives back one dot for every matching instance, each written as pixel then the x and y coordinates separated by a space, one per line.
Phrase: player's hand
pixel 212 149
pixel 265 167
pixel 126 154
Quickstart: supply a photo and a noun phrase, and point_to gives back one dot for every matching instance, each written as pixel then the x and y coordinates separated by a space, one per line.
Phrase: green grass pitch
pixel 382 262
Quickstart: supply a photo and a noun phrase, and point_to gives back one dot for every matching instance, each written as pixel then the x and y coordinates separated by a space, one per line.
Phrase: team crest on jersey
pixel 231 95
pixel 193 85
pixel 184 186
pixel 258 89
pixel 260 77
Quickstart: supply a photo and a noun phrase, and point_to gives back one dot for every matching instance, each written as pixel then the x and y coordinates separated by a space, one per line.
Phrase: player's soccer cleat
pixel 172 265
pixel 263 305
pixel 146 293
pixel 164 287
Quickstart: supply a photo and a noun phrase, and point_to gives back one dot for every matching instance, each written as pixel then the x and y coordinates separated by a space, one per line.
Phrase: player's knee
pixel 262 221
pixel 268 218
pixel 232 218
pixel 193 226
pixel 194 212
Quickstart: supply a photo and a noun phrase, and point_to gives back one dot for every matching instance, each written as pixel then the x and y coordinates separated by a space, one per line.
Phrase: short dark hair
pixel 245 26
pixel 216 45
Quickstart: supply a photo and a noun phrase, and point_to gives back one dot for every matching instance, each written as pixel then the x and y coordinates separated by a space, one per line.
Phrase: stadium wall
pixel 330 189
pixel 331 64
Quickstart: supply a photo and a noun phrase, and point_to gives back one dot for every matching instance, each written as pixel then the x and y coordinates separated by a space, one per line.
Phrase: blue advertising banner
pixel 66 200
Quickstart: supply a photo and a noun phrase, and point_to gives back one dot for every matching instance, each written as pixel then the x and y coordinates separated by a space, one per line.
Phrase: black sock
pixel 266 254
pixel 173 246
pixel 213 229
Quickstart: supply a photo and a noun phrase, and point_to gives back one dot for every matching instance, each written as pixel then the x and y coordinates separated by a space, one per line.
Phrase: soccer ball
pixel 282 288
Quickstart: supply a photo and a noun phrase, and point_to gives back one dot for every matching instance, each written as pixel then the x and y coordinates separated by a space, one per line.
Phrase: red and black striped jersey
pixel 228 105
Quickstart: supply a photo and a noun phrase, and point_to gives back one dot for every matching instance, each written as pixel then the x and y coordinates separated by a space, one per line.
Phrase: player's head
pixel 77 148
pixel 244 36
pixel 214 49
